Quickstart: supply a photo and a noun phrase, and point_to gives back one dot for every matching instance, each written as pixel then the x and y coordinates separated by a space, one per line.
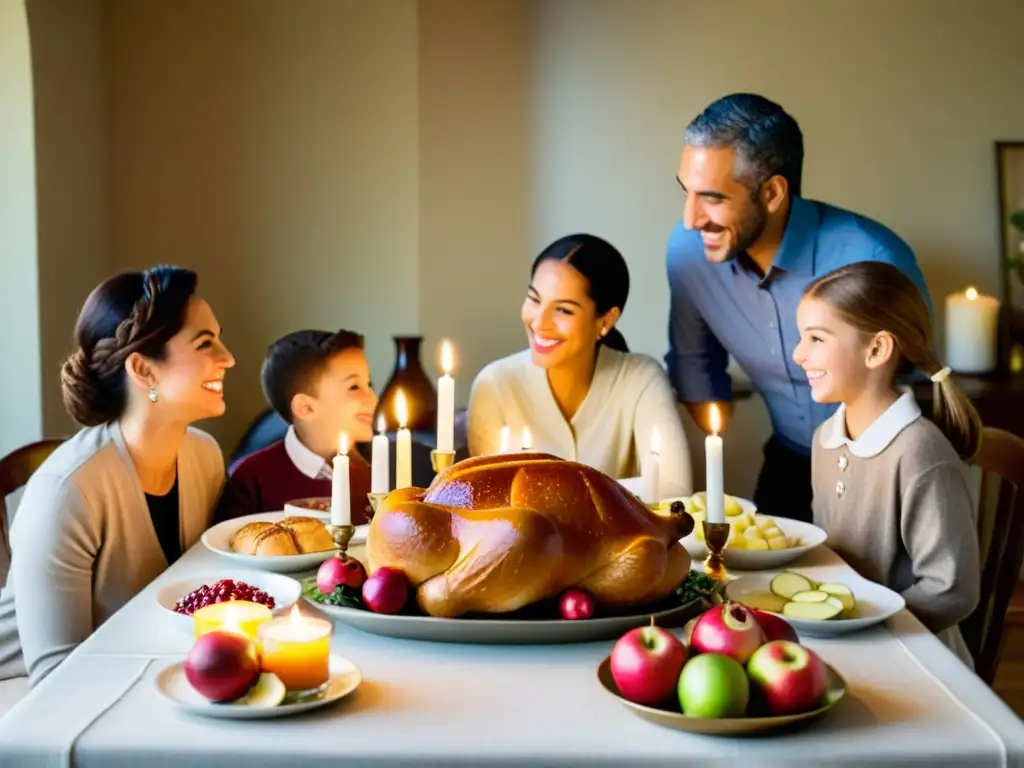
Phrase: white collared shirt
pixel 311 464
pixel 876 438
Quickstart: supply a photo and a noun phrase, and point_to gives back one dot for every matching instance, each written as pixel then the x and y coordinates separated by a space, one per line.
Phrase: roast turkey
pixel 493 534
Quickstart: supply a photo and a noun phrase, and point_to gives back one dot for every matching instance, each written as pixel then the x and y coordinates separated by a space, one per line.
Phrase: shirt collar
pixel 310 464
pixel 877 437
pixel 796 252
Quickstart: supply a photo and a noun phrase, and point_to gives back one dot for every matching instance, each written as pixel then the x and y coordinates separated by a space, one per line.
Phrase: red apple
pixel 645 664
pixel 386 590
pixel 792 679
pixel 729 629
pixel 337 571
pixel 576 604
pixel 222 666
pixel 775 627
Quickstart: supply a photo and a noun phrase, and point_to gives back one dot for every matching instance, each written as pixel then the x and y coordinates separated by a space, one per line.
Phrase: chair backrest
pixel 1001 534
pixel 15 470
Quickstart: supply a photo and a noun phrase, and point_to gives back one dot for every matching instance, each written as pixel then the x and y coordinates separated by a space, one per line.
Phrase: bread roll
pixel 292 536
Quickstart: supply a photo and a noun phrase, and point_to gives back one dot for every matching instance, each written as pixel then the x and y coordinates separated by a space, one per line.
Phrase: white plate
pixel 285 590
pixel 809 536
pixel 218 539
pixel 309 507
pixel 875 604
pixel 172 684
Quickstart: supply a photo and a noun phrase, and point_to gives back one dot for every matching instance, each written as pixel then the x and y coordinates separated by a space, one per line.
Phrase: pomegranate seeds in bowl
pixel 219 592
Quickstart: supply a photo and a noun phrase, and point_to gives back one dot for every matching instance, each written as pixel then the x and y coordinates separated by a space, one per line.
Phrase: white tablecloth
pixel 909 701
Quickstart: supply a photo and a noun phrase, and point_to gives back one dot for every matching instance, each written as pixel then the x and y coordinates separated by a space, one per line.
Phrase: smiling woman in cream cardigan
pixel 580 392
pixel 125 496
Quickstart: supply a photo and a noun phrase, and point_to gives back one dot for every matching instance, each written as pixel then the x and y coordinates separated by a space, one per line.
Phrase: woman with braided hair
pixel 122 499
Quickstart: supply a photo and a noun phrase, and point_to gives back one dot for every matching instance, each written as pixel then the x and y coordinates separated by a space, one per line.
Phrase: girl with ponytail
pixel 577 389
pixel 890 487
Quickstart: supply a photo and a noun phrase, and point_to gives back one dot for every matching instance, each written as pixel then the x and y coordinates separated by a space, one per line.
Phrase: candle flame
pixel 294 617
pixel 655 442
pixel 506 433
pixel 382 425
pixel 972 293
pixel 526 442
pixel 446 358
pixel 716 419
pixel 401 409
pixel 232 622
pixel 343 444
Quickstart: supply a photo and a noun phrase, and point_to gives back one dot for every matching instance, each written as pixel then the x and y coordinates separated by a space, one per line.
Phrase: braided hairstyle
pixel 128 313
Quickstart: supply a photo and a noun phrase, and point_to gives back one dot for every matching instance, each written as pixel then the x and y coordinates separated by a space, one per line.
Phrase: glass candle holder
pixel 297 649
pixel 240 616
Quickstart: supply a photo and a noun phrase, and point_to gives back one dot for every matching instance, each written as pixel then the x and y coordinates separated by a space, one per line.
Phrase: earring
pixel 153 397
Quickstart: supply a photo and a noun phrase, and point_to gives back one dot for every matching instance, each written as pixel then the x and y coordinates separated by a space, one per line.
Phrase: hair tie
pixel 941 375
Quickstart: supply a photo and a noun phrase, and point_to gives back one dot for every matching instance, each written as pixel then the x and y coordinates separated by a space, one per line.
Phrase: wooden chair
pixel 1001 533
pixel 15 470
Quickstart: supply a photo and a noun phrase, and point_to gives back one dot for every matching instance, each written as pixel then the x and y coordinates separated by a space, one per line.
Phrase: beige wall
pixel 273 148
pixel 475 144
pixel 900 104
pixel 71 176
pixel 20 367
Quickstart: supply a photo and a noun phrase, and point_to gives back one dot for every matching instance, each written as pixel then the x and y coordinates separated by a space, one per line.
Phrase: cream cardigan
pixel 83 543
pixel 611 431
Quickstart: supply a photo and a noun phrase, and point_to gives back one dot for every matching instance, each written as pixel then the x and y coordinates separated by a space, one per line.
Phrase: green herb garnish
pixel 342 595
pixel 698 585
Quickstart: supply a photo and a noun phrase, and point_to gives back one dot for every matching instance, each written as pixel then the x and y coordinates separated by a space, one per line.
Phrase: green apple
pixel 713 685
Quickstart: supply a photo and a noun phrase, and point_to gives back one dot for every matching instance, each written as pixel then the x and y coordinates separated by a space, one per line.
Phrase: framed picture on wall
pixel 1010 179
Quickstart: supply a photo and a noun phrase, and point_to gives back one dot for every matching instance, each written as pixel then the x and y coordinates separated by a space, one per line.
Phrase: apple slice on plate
pixel 842 593
pixel 817 611
pixel 787 584
pixel 809 596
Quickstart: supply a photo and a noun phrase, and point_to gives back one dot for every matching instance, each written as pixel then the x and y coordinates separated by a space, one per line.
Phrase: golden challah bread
pixel 291 536
pixel 495 533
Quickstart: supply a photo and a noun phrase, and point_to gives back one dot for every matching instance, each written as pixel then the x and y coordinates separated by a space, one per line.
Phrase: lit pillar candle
pixel 650 470
pixel 526 441
pixel 298 650
pixel 341 502
pixel 241 616
pixel 504 439
pixel 381 458
pixel 403 444
pixel 972 326
pixel 446 403
pixel 715 481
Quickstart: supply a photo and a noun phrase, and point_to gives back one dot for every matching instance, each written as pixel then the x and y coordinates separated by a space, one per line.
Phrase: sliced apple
pixel 697 501
pixel 809 596
pixel 268 691
pixel 787 584
pixel 752 533
pixel 777 542
pixel 764 522
pixel 757 545
pixel 814 611
pixel 843 593
pixel 766 601
pixel 732 507
pixel 833 600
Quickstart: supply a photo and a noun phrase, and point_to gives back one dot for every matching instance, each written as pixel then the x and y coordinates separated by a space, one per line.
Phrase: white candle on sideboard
pixel 504 439
pixel 380 472
pixel 446 403
pixel 341 511
pixel 715 480
pixel 972 328
pixel 526 441
pixel 650 470
pixel 403 444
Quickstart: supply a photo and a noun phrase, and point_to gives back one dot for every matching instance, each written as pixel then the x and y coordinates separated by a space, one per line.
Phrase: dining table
pixel 909 701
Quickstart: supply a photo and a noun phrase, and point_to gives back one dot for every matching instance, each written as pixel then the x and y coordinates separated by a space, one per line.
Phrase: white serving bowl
pixel 875 603
pixel 806 536
pixel 218 539
pixel 286 591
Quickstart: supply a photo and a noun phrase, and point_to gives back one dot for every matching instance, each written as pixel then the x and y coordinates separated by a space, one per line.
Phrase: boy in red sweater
pixel 319 382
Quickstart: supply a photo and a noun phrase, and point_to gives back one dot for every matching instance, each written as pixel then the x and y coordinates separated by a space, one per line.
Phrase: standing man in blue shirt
pixel 738 263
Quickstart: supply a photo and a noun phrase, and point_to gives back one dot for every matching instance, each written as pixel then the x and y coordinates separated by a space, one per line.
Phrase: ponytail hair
pixel 876 297
pixel 605 271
